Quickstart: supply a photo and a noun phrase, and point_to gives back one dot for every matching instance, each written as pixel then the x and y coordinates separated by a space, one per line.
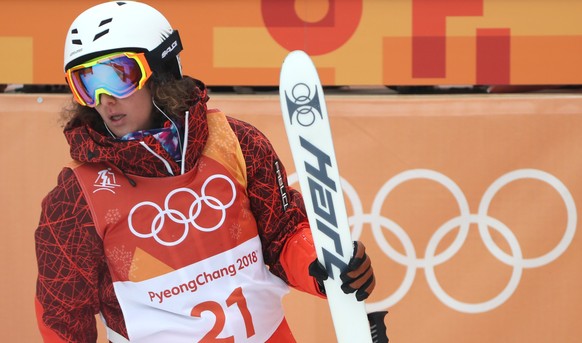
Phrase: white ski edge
pixel 308 131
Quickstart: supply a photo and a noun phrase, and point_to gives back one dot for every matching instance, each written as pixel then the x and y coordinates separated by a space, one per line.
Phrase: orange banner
pixel 353 42
pixel 468 206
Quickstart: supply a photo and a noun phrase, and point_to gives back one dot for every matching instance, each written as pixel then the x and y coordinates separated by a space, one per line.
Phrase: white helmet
pixel 123 26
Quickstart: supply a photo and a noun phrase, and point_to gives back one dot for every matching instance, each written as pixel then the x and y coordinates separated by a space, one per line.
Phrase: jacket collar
pixel 89 145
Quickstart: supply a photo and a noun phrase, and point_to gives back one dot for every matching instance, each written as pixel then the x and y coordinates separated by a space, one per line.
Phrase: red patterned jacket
pixel 73 282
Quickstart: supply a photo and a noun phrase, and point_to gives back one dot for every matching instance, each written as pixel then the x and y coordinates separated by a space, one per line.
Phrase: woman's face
pixel 126 115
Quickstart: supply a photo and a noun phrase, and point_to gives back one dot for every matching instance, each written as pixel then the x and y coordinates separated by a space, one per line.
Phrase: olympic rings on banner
pixel 463 221
pixel 178 217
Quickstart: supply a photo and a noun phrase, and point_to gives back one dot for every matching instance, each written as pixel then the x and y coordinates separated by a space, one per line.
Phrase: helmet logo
pixel 76 51
pixel 169 49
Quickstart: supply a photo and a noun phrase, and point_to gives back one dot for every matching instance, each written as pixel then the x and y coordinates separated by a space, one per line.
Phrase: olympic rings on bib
pixel 157 224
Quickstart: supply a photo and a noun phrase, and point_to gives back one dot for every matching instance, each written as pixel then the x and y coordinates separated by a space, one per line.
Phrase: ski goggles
pixel 118 74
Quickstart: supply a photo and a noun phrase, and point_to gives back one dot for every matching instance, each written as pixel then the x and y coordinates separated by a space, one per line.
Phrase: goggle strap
pixel 166 51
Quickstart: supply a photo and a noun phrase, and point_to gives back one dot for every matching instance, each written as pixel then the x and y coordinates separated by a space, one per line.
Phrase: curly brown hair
pixel 171 95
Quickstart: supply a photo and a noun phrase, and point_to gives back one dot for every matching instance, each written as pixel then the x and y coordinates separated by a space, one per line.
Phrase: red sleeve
pixel 297 255
pixel 69 257
pixel 278 208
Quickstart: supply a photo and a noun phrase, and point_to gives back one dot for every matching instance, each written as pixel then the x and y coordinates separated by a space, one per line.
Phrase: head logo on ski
pixel 302 103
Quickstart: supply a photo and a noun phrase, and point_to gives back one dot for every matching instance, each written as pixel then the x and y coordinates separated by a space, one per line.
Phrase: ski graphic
pixel 308 130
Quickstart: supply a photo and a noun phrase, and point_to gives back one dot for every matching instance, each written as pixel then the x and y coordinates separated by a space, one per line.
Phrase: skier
pixel 170 221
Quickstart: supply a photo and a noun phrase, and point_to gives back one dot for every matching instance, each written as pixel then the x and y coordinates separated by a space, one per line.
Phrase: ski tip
pixel 297 55
pixel 297 52
pixel 299 69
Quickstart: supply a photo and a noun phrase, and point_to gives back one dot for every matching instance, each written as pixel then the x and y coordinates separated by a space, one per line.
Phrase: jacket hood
pixel 89 145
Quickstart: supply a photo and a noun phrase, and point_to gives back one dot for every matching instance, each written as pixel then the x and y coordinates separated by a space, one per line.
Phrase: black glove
pixel 317 270
pixel 358 276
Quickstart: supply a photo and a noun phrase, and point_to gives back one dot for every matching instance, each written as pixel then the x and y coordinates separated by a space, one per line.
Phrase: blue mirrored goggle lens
pixel 119 76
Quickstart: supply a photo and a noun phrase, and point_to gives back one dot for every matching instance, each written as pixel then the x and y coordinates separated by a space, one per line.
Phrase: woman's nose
pixel 106 99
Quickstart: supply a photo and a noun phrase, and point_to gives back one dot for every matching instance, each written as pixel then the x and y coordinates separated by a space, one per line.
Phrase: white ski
pixel 308 130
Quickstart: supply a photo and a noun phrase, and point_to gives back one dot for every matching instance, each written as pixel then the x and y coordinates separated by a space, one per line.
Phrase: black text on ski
pixel 321 189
